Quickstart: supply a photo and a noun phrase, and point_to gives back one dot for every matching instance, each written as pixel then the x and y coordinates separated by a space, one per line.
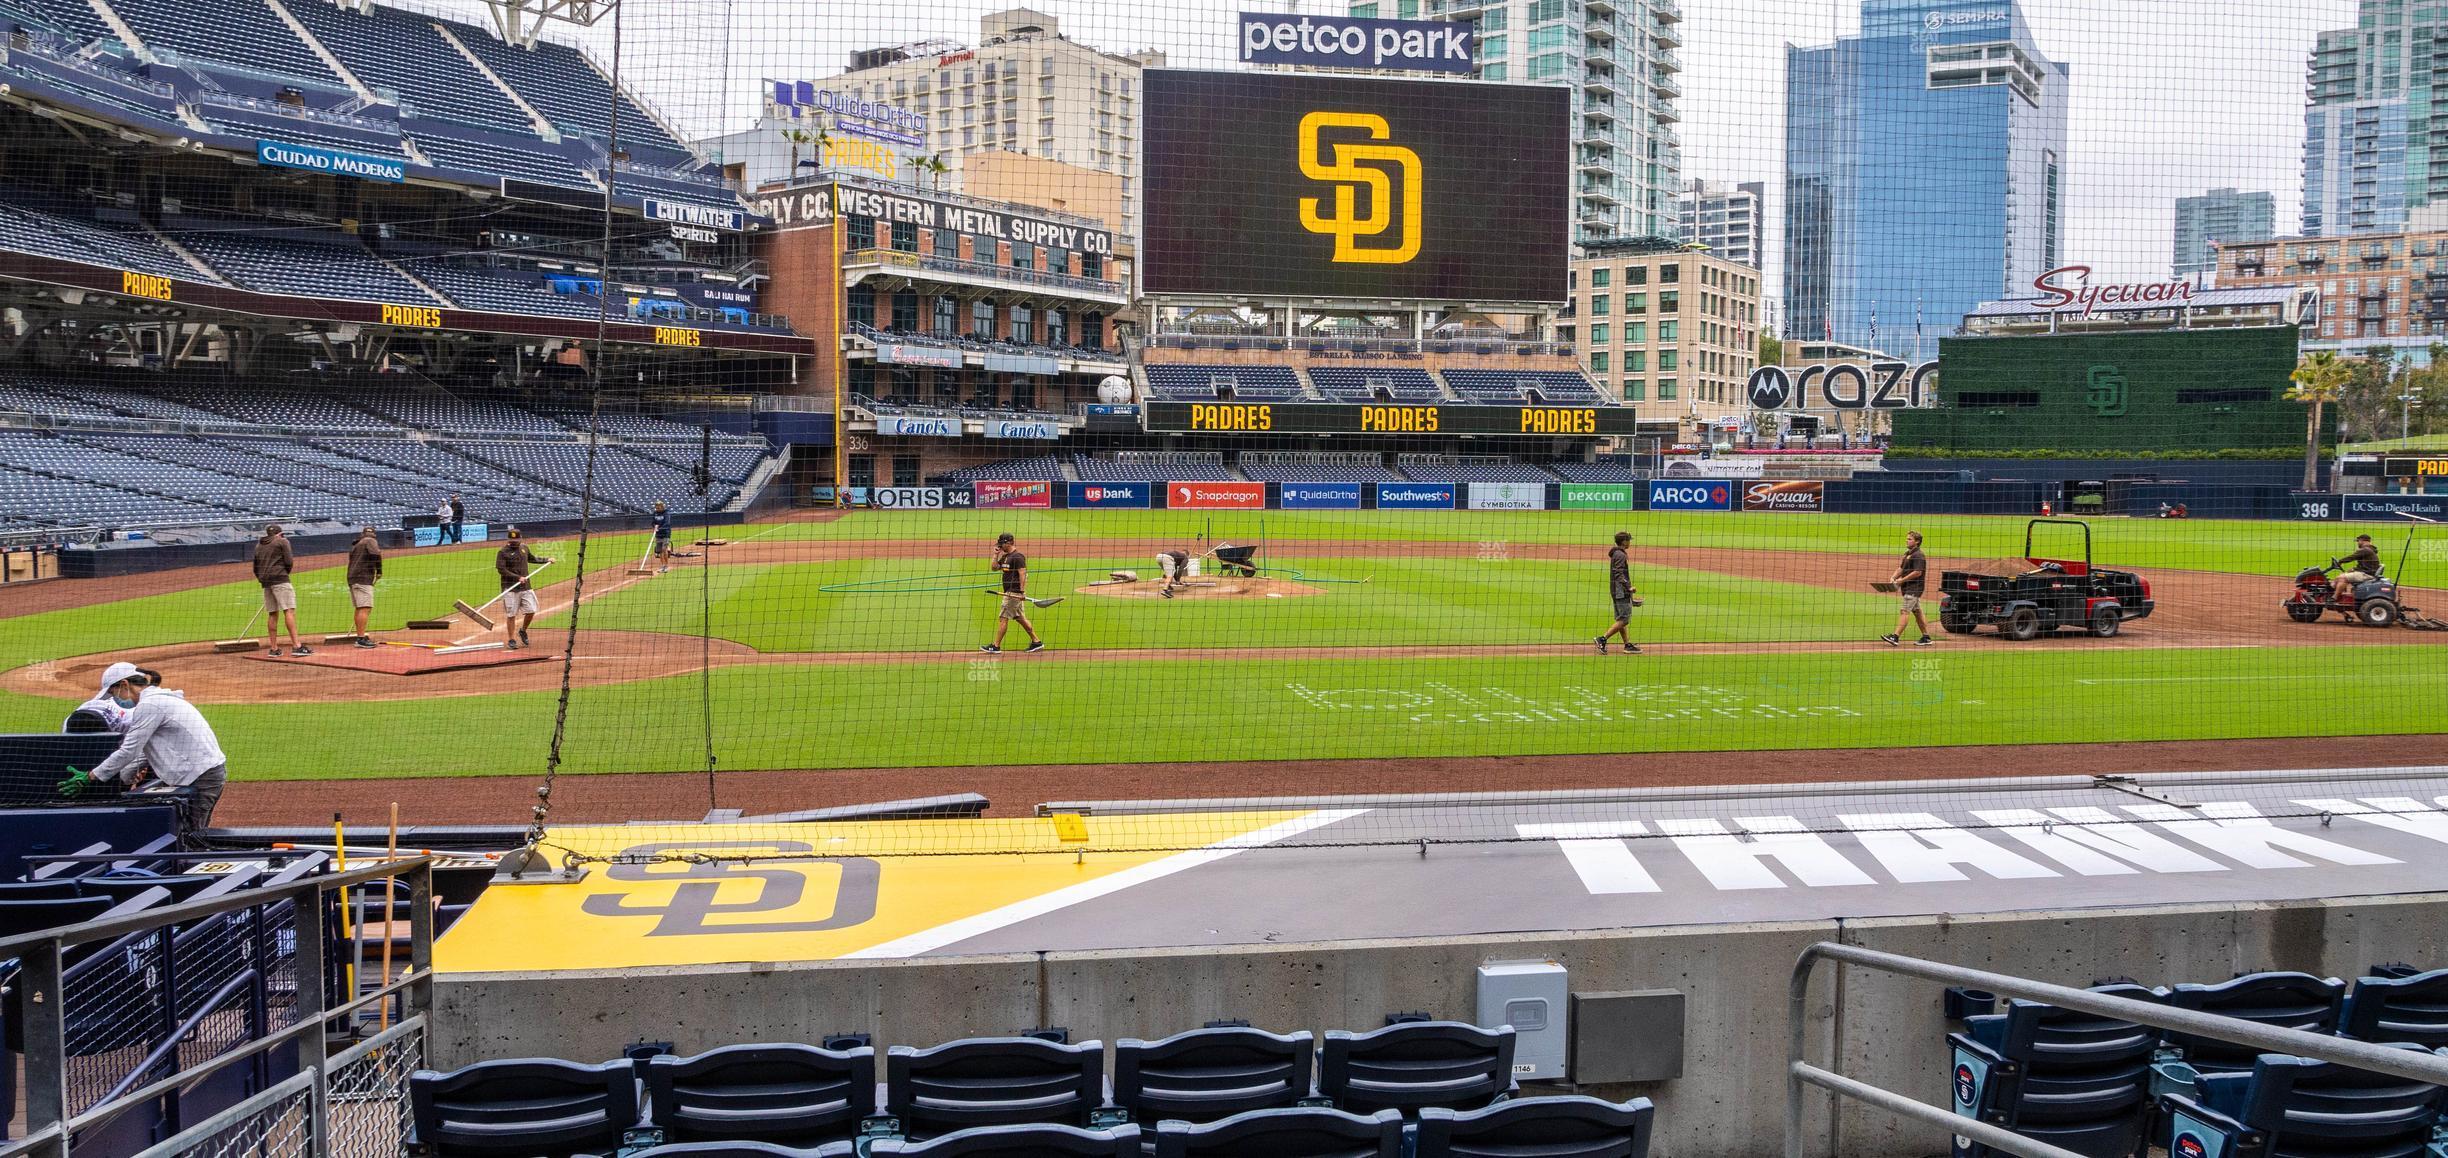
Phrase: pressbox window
pixel 1092 265
pixel 905 237
pixel 862 305
pixel 905 311
pixel 1058 331
pixel 947 243
pixel 1021 329
pixel 947 317
pixel 1092 331
pixel 862 233
pixel 1023 394
pixel 981 321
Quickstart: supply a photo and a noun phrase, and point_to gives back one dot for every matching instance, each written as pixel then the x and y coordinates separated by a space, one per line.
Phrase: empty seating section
pixel 26 399
pixel 184 491
pixel 1427 468
pixel 1374 384
pixel 2071 1079
pixel 312 491
pixel 334 268
pixel 2289 1000
pixel 2409 1008
pixel 274 407
pixel 2289 1106
pixel 1296 466
pixel 54 235
pixel 1514 387
pixel 621 478
pixel 1242 383
pixel 557 80
pixel 71 20
pixel 503 289
pixel 527 160
pixel 240 34
pixel 257 125
pixel 126 95
pixel 401 52
pixel 1227 1091
pixel 1154 466
pixel 1606 468
pixel 1044 466
pixel 434 410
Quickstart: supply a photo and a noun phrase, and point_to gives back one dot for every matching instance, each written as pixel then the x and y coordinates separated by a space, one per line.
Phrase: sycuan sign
pixel 2069 285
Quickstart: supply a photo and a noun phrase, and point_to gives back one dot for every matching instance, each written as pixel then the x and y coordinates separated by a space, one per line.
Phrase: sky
pixel 2169 97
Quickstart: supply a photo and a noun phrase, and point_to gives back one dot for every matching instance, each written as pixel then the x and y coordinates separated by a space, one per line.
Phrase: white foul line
pixel 929 940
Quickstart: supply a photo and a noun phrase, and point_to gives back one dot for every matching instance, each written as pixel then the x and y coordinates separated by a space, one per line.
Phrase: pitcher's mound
pixel 1205 587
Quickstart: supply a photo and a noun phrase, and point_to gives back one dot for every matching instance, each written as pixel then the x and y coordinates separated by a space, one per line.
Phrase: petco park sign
pixel 2069 285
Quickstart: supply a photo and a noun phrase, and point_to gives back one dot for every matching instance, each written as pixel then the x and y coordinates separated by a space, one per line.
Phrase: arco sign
pixel 1843 386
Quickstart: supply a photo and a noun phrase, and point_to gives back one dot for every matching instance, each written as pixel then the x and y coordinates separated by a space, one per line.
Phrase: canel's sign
pixel 2069 285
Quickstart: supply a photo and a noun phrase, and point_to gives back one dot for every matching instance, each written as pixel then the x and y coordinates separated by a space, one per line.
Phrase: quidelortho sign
pixel 815 206
pixel 1573 496
pixel 1356 42
pixel 1325 496
pixel 1842 386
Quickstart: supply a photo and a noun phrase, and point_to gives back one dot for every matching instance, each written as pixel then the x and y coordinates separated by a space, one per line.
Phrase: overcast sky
pixel 2170 97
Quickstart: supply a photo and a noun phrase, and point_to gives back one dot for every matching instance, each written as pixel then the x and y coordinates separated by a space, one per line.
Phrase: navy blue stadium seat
pixel 2286 1107
pixel 993 1081
pixel 1565 1127
pixel 62 888
pixel 1207 1074
pixel 34 915
pixel 1308 1132
pixel 2285 1000
pixel 787 1094
pixel 2070 1079
pixel 1037 1141
pixel 2408 1009
pixel 1418 1064
pixel 720 1150
pixel 522 1107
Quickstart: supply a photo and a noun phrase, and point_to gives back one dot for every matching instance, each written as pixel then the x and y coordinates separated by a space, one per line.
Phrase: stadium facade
pixel 1671 331
pixel 1924 168
pixel 2379 291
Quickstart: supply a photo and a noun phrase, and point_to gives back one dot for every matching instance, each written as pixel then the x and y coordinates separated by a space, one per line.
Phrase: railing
pixel 250 104
pixel 296 1108
pixel 49 50
pixel 2408 1064
pixel 986 269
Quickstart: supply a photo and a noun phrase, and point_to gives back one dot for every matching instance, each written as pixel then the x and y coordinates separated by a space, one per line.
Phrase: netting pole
pixel 705 600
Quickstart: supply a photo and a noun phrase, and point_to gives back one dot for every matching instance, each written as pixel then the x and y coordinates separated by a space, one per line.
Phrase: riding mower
pixel 2372 603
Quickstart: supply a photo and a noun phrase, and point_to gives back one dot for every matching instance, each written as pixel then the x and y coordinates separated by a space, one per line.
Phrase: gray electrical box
pixel 1530 996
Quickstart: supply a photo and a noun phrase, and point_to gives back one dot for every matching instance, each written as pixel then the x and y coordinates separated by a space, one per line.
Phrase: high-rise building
pixel 1618 56
pixel 1924 169
pixel 2371 291
pixel 1023 88
pixel 1726 220
pixel 1670 330
pixel 2367 165
pixel 2217 217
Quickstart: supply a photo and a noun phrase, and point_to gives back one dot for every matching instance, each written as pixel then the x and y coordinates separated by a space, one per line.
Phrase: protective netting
pixel 1976 390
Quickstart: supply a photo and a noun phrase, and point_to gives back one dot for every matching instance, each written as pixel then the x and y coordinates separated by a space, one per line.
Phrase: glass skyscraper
pixel 1924 171
pixel 2368 164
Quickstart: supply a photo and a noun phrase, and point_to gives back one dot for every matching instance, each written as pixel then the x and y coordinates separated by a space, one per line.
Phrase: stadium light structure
pixel 518 21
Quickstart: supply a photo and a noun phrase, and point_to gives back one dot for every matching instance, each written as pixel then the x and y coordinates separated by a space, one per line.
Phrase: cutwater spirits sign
pixel 316 159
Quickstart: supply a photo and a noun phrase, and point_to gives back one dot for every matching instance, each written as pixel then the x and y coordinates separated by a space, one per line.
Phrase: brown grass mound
pixel 1205 587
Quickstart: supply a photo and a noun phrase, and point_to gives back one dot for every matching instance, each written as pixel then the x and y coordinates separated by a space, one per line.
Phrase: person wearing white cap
pixel 109 710
pixel 168 736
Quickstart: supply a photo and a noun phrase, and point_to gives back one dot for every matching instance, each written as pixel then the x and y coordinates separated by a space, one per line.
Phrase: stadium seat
pixel 1418 1064
pixel 719 1150
pixel 786 1094
pixel 1037 1141
pixel 2287 1000
pixel 1207 1074
pixel 993 1081
pixel 1565 1127
pixel 43 890
pixel 33 915
pixel 522 1107
pixel 2289 1106
pixel 2408 1009
pixel 1307 1132
pixel 2070 1079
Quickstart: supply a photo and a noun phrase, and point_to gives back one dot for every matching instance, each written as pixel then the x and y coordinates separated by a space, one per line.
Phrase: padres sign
pixel 1285 184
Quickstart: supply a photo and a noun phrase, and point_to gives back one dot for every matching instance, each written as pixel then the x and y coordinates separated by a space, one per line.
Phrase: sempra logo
pixel 1362 170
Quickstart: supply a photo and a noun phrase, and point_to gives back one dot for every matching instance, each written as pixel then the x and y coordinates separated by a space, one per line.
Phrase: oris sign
pixel 2068 286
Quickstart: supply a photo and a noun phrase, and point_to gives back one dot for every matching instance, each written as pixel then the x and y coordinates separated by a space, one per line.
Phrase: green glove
pixel 75 784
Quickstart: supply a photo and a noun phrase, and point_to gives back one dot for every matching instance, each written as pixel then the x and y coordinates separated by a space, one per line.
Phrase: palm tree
pixel 2319 379
pixel 934 166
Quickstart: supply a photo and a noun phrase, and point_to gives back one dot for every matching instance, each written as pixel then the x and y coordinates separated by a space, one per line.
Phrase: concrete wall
pixel 1729 1102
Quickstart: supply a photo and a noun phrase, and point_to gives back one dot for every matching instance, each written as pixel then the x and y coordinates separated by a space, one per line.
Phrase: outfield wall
pixel 1729 1101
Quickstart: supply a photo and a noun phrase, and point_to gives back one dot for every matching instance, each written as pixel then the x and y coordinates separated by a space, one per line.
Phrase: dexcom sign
pixel 1691 495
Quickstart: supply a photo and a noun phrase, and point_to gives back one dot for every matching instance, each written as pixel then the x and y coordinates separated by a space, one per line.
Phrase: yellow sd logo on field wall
pixel 1362 169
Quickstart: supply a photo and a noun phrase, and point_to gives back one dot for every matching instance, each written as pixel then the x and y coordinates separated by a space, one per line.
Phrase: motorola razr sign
pixel 1844 386
pixel 1355 42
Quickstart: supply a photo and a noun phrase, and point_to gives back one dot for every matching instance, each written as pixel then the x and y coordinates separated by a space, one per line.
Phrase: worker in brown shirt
pixel 364 570
pixel 518 598
pixel 2362 566
pixel 273 562
pixel 1910 575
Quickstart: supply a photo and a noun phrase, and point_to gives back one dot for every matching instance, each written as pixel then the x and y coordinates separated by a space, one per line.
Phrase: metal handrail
pixel 2361 1055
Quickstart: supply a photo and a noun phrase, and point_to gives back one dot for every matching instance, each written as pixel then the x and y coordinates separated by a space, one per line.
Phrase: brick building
pixel 1672 331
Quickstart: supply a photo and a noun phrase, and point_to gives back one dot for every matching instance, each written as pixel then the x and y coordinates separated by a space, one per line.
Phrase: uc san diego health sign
pixel 316 159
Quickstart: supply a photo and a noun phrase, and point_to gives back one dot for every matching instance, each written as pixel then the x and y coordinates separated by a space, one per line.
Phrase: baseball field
pixel 851 642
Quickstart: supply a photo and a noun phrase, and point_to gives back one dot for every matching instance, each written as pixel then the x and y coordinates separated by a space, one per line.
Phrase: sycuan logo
pixel 1360 169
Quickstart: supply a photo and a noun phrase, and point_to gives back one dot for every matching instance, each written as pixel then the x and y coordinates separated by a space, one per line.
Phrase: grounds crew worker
pixel 1175 566
pixel 364 570
pixel 2362 566
pixel 122 684
pixel 1910 574
pixel 519 599
pixel 273 561
pixel 169 737
pixel 1625 595
pixel 1014 566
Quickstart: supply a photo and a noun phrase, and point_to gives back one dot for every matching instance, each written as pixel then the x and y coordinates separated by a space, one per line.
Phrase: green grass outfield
pixel 1034 709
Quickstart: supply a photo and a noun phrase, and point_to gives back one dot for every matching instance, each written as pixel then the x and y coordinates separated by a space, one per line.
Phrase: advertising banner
pixel 959 498
pixel 1215 496
pixel 1415 496
pixel 2314 507
pixel 1004 494
pixel 919 427
pixel 316 159
pixel 906 498
pixel 1277 184
pixel 1574 496
pixel 1790 495
pixel 1019 428
pixel 1691 495
pixel 903 354
pixel 731 220
pixel 1508 496
pixel 1334 42
pixel 1132 495
pixel 813 206
pixel 1687 467
pixel 1327 496
pixel 2396 507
